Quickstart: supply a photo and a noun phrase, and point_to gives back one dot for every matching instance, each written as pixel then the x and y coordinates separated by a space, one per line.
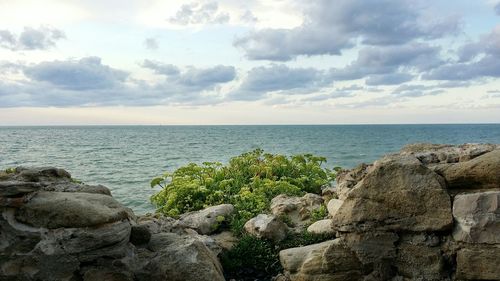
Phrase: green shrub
pixel 319 214
pixel 248 181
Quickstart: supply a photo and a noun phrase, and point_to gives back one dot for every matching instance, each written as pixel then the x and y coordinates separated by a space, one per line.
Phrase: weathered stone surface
pixel 444 153
pixel 398 193
pixel 225 240
pixel 18 188
pixel 266 226
pixel 64 209
pixel 478 263
pixel 482 172
pixel 420 261
pixel 298 209
pixel 181 258
pixel 108 273
pixel 477 217
pixel 347 179
pixel 327 261
pixel 321 227
pixel 207 220
pixel 371 247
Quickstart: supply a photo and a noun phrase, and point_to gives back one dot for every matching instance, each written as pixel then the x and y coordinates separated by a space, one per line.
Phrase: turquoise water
pixel 125 158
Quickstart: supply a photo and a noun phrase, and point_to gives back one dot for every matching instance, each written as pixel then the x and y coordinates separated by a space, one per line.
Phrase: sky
pixel 188 62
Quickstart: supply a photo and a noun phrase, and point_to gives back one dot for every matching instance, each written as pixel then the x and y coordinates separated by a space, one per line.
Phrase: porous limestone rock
pixel 398 193
pixel 266 226
pixel 477 217
pixel 478 263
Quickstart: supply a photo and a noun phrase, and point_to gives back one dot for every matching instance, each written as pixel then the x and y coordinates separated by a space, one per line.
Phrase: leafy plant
pixel 10 170
pixel 248 181
pixel 319 214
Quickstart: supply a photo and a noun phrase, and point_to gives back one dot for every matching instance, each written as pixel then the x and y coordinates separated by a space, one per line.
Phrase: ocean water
pixel 125 158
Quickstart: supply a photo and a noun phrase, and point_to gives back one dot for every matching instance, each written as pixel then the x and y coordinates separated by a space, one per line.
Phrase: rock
pixel 181 258
pixel 416 261
pixel 64 209
pixel 371 247
pixel 347 179
pixel 326 261
pixel 226 240
pixel 477 217
pixel 478 263
pixel 140 235
pixel 298 209
pixel 18 188
pixel 266 226
pixel 321 227
pixel 208 220
pixel 333 206
pixel 482 172
pixel 106 273
pixel 398 193
pixel 443 153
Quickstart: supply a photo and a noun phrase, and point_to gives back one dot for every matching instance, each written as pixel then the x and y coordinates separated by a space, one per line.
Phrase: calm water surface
pixel 125 158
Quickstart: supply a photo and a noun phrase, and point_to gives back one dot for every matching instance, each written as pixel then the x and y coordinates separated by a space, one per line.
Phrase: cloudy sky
pixel 249 61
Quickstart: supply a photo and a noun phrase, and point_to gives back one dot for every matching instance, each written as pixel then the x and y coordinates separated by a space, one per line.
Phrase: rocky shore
pixel 429 212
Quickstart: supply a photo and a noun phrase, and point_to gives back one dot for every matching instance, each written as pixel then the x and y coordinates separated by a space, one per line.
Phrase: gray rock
pixel 482 172
pixel 326 261
pixel 140 235
pixel 64 209
pixel 266 226
pixel 477 217
pixel 180 258
pixel 207 221
pixel 398 193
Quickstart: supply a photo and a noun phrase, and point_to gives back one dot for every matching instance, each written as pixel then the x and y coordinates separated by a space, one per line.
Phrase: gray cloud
pixel 497 8
pixel 412 91
pixel 84 74
pixel 151 43
pixel 198 13
pixel 331 26
pixel 161 68
pixel 477 59
pixel 388 79
pixel 249 17
pixel 31 39
pixel 384 63
pixel 261 80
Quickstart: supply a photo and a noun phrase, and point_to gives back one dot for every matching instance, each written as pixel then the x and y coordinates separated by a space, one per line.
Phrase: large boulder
pixel 266 226
pixel 477 217
pixel 179 258
pixel 397 193
pixel 326 261
pixel 445 153
pixel 207 220
pixel 321 227
pixel 482 172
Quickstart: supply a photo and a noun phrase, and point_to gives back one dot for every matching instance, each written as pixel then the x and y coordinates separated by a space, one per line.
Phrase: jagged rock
pixel 398 193
pixel 327 261
pixel 371 247
pixel 207 220
pixel 266 226
pixel 419 256
pixel 108 273
pixel 158 224
pixel 64 209
pixel 482 172
pixel 321 227
pixel 347 179
pixel 179 258
pixel 298 209
pixel 478 263
pixel 444 153
pixel 477 217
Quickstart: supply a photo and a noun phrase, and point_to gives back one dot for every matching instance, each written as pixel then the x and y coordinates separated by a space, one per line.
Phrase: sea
pixel 126 158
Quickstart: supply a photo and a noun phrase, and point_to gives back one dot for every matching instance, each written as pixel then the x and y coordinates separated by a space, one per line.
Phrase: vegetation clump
pixel 248 181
